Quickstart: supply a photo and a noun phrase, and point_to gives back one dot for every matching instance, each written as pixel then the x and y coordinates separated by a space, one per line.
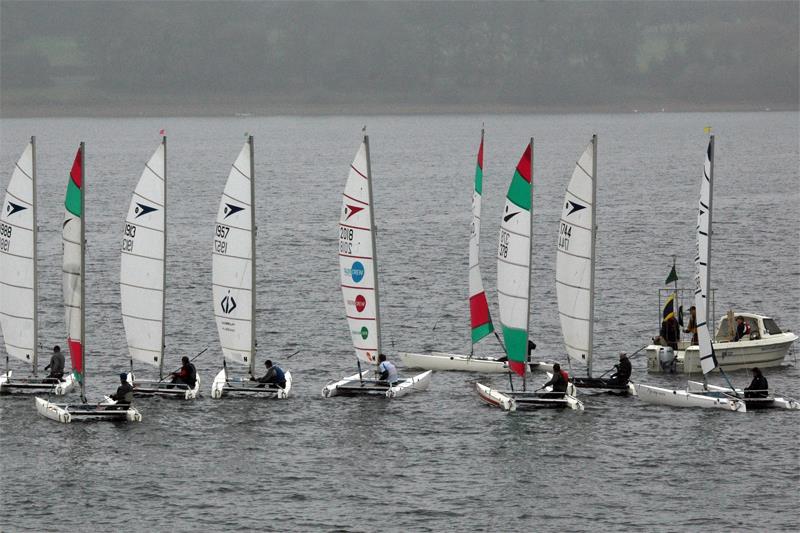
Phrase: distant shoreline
pixel 231 109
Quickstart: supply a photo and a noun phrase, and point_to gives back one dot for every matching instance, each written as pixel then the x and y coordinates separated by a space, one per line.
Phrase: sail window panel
pixel 513 280
pixel 576 332
pixel 135 302
pixel 16 270
pixel 17 301
pixel 143 272
pixel 574 302
pixel 573 270
pixel 231 271
pixel 144 339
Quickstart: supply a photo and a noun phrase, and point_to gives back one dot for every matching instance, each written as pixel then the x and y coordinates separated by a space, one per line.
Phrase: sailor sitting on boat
pixel 56 366
pixel 387 372
pixel 559 383
pixel 124 394
pixel 274 376
pixel 758 388
pixel 187 375
pixel 623 373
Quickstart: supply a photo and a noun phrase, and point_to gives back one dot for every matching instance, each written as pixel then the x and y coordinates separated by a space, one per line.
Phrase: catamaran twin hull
pixel 463 363
pixel 601 385
pixel 752 403
pixel 518 400
pixel 225 386
pixel 685 398
pixel 149 388
pixel 31 385
pixel 763 353
pixel 356 386
pixel 84 412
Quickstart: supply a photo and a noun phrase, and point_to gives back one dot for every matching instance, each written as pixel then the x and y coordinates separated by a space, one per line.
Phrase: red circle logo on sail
pixel 361 303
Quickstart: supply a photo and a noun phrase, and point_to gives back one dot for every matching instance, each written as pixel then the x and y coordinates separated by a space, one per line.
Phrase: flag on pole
pixel 673 276
pixel 707 130
pixel 669 308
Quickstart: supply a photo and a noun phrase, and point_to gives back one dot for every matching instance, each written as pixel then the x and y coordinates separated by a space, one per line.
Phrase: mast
pixel 252 258
pixel 374 248
pixel 163 271
pixel 35 265
pixel 712 331
pixel 83 269
pixel 594 257
pixel 530 284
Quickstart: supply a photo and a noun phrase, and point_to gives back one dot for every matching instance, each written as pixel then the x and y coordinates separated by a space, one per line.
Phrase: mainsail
pixel 575 258
pixel 233 266
pixel 480 318
pixel 357 258
pixel 18 285
pixel 142 266
pixel 72 235
pixel 514 264
pixel 708 360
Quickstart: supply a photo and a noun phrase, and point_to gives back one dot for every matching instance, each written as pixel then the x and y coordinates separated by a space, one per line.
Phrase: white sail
pixel 142 264
pixel 575 259
pixel 702 261
pixel 18 261
pixel 357 261
pixel 233 263
pixel 514 263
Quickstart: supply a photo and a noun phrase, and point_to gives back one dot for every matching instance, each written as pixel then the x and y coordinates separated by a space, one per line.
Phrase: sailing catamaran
pixel 234 281
pixel 142 280
pixel 575 266
pixel 480 319
pixel 358 269
pixel 19 281
pixel 74 274
pixel 514 293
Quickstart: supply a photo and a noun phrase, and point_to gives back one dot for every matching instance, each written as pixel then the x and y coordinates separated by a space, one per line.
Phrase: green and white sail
pixel 73 268
pixel 357 259
pixel 18 313
pixel 514 263
pixel 708 360
pixel 142 267
pixel 575 258
pixel 480 318
pixel 233 264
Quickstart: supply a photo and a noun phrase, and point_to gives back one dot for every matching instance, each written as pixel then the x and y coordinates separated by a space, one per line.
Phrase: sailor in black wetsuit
pixel 124 394
pixel 56 366
pixel 559 383
pixel 758 388
pixel 623 373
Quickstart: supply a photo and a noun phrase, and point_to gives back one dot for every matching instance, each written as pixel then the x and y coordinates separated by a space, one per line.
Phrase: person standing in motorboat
pixel 187 375
pixel 56 366
pixel 758 388
pixel 670 333
pixel 742 329
pixel 623 373
pixel 274 377
pixel 692 328
pixel 124 394
pixel 558 382
pixel 387 372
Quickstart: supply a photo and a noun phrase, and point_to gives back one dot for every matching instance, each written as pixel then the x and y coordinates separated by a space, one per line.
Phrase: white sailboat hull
pixel 31 385
pixel 68 413
pixel 224 385
pixel 358 385
pixel 685 398
pixel 514 400
pixel 783 403
pixel 763 353
pixel 143 388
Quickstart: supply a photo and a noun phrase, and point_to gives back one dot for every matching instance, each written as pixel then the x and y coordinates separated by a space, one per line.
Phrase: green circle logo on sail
pixel 364 332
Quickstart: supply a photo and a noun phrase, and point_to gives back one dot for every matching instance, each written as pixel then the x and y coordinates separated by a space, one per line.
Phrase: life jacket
pixel 565 375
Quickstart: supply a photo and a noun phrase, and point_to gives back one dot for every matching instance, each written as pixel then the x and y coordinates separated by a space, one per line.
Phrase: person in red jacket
pixel 559 382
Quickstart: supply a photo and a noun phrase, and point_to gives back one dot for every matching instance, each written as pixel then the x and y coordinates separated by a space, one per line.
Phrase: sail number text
pixel 220 244
pixel 502 250
pixel 564 233
pixel 5 235
pixel 127 238
pixel 345 240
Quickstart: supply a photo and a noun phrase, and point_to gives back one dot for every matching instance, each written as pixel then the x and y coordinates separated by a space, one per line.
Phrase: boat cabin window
pixel 723 333
pixel 771 327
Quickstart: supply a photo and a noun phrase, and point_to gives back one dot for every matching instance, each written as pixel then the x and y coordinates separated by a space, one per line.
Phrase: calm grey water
pixel 437 460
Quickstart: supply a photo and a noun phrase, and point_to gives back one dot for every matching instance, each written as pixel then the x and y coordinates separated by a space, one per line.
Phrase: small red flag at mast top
pixel 162 131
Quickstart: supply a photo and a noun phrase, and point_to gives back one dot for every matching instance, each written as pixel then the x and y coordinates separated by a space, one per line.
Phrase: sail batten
pixel 708 360
pixel 233 263
pixel 357 259
pixel 18 313
pixel 575 257
pixel 142 264
pixel 514 263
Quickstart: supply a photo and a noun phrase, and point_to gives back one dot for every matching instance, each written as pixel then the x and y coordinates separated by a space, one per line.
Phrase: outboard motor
pixel 666 358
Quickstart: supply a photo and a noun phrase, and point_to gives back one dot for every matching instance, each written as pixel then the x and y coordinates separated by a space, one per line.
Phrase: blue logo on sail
pixel 357 271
